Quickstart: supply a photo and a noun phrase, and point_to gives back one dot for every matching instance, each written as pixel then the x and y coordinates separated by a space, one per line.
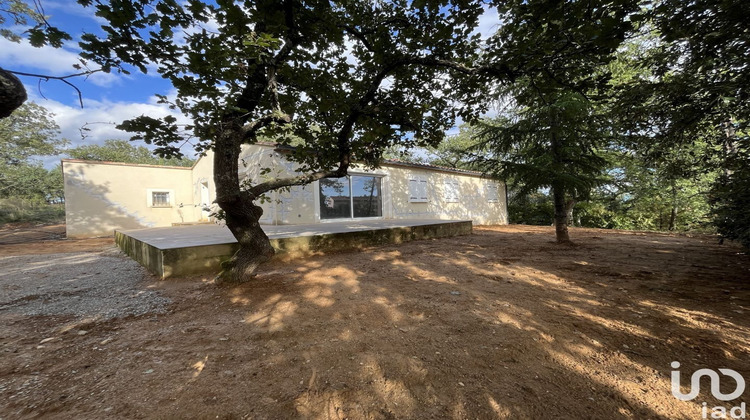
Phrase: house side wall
pixel 471 197
pixel 301 204
pixel 100 197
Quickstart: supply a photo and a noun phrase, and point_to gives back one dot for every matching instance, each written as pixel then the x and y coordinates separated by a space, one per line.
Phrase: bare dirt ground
pixel 500 324
pixel 28 238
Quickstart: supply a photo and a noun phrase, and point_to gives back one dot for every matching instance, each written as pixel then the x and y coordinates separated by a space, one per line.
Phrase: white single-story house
pixel 103 196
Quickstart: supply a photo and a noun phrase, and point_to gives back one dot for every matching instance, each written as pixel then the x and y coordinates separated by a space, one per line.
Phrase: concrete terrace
pixel 193 249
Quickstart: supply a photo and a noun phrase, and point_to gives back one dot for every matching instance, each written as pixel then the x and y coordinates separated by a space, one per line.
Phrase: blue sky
pixel 108 99
pixel 75 20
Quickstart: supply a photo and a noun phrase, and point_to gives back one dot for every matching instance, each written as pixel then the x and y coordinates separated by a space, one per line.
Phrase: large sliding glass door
pixel 335 201
pixel 366 196
pixel 353 196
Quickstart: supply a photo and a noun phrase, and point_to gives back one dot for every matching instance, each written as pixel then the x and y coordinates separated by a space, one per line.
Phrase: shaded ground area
pixel 500 324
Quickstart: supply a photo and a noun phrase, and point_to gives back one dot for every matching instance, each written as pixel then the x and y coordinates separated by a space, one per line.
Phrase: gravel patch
pixel 100 285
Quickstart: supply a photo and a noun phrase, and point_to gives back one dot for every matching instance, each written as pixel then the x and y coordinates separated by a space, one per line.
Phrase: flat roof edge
pixel 434 168
pixel 141 165
pixel 389 162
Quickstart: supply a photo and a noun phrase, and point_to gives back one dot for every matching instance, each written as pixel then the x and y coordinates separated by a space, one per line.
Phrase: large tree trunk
pixel 255 247
pixel 672 218
pixel 242 215
pixel 558 193
pixel 561 214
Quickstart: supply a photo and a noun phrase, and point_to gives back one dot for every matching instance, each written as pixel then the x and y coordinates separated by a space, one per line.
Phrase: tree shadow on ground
pixel 499 324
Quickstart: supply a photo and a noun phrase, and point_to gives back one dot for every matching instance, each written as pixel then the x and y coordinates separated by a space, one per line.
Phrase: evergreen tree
pixel 552 134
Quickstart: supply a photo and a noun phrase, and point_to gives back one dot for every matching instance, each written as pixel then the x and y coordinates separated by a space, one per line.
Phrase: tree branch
pixel 60 78
pixel 359 36
pixel 495 69
pixel 305 179
pixel 437 62
pixel 251 129
pixel 342 141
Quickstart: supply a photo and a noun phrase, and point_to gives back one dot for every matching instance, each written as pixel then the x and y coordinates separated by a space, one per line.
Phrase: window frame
pixel 351 195
pixel 419 194
pixel 451 191
pixel 150 198
pixel 489 188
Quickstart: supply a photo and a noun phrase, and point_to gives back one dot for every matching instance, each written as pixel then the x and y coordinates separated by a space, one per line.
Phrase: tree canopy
pixel 29 133
pixel 696 91
pixel 348 79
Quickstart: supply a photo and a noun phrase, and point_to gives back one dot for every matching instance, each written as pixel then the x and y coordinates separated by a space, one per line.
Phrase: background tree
pixel 123 151
pixel 706 93
pixel 685 103
pixel 551 144
pixel 350 79
pixel 730 195
pixel 412 155
pixel 530 207
pixel 657 179
pixel 456 150
pixel 645 194
pixel 551 136
pixel 29 131
pixel 26 187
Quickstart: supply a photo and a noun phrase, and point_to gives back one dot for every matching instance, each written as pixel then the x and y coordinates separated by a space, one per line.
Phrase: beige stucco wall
pixel 300 204
pixel 472 203
pixel 101 197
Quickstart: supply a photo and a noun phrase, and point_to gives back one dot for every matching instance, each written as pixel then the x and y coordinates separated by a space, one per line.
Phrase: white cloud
pixel 47 60
pixel 489 22
pixel 70 8
pixel 100 118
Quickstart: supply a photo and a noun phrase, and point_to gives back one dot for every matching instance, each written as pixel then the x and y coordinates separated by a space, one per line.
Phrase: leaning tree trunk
pixel 242 214
pixel 255 247
pixel 561 214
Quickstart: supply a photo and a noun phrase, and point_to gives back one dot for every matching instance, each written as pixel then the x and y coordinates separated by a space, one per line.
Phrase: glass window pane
pixel 160 199
pixel 334 198
pixel 367 197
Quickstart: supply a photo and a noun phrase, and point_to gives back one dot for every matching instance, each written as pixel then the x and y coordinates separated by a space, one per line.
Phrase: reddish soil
pixel 503 323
